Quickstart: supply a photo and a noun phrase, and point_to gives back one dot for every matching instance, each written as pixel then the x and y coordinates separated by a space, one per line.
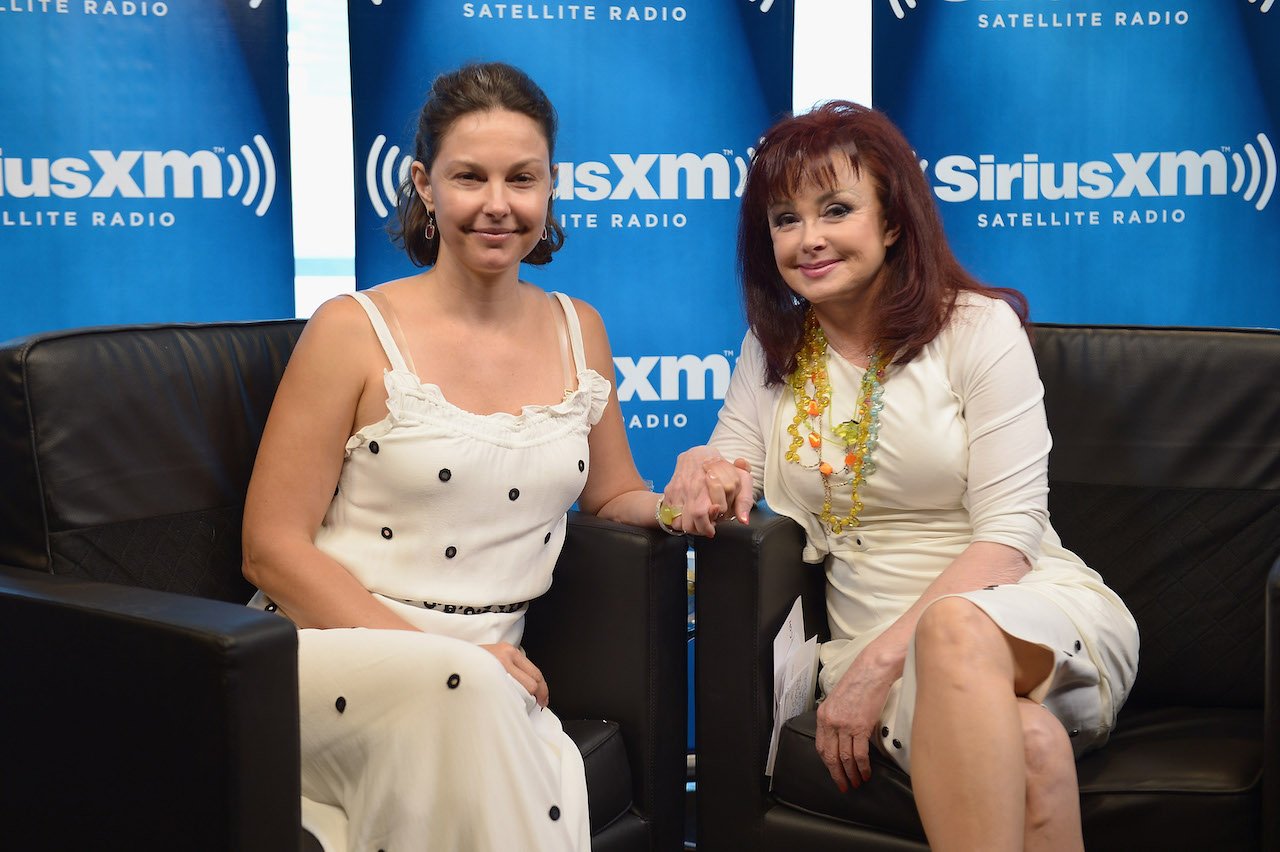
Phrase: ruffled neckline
pixel 410 400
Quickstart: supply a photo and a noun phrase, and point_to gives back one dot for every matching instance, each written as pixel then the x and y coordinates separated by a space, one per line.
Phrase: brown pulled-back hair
pixel 922 276
pixel 471 88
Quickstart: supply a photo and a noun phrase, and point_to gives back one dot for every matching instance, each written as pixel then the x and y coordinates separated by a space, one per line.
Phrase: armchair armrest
pixel 1271 715
pixel 610 638
pixel 144 719
pixel 748 578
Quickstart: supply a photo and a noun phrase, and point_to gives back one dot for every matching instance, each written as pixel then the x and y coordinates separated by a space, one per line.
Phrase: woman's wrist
pixel 887 657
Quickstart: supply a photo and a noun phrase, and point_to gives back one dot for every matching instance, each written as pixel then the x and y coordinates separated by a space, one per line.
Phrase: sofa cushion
pixel 128 450
pixel 800 780
pixel 1190 564
pixel 608 770
pixel 1175 778
pixel 1193 777
pixel 1165 479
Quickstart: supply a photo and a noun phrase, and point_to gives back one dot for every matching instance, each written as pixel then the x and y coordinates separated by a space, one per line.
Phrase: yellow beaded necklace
pixel 860 434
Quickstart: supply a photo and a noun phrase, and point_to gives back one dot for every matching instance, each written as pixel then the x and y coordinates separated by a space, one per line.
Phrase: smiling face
pixel 830 241
pixel 489 189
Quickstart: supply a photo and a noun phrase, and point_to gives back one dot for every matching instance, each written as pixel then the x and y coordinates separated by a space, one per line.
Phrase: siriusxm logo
pixel 896 5
pixel 636 378
pixel 146 174
pixel 653 177
pixel 383 172
pixel 646 177
pixel 1147 174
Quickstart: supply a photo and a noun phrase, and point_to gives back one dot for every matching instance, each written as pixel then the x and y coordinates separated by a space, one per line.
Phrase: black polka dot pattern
pixel 386 533
pixel 1078 645
pixel 582 465
pixel 453 681
pixel 341 704
pixel 373 447
pixel 450 552
pixel 897 743
pixel 554 813
pixel 513 494
pixel 445 474
pixel 451 609
pixel 884 732
pixel 546 539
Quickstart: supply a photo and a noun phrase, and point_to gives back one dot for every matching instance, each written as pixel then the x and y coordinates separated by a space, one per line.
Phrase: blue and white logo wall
pixel 659 105
pixel 1115 161
pixel 143 162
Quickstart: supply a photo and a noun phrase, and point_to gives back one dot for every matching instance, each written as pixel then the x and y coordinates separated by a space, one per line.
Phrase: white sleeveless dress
pixel 422 741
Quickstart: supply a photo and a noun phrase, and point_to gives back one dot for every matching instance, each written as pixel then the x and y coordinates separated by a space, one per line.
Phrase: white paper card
pixel 795 673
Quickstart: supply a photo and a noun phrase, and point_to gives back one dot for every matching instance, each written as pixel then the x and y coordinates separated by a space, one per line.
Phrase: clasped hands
pixel 704 489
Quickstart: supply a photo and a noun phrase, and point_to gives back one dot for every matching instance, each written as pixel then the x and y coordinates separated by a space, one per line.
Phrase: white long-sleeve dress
pixel 422 741
pixel 962 457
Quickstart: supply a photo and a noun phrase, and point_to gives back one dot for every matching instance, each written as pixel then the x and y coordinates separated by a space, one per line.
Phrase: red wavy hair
pixel 922 275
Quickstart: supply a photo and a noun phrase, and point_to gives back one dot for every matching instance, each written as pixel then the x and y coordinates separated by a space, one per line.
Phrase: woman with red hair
pixel 889 403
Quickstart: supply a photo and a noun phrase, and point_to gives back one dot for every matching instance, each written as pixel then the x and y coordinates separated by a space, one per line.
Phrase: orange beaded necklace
pixel 859 434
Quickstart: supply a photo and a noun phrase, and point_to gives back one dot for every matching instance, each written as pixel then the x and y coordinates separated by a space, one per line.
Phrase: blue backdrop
pixel 144 156
pixel 659 107
pixel 1115 162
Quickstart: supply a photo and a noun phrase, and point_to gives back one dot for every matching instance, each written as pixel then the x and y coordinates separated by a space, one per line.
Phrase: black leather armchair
pixel 1165 477
pixel 145 708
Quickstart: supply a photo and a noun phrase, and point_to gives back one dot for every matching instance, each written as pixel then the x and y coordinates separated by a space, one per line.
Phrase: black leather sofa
pixel 145 708
pixel 1165 477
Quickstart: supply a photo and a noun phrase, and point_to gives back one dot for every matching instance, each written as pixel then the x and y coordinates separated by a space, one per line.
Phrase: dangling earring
pixel 544 232
pixel 430 231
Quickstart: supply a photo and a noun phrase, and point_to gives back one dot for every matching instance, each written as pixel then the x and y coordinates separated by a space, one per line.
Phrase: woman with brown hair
pixel 410 494
pixel 890 404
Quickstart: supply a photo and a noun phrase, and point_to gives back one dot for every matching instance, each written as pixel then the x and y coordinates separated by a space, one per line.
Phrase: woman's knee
pixel 400 667
pixel 456 669
pixel 1049 757
pixel 954 632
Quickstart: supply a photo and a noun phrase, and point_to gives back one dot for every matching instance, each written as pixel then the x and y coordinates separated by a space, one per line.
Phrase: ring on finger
pixel 667 515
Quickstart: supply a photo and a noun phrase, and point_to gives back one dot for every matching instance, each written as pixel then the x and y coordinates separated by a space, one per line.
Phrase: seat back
pixel 1165 478
pixel 127 450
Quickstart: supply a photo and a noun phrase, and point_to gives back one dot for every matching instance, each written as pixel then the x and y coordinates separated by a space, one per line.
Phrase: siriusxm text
pixel 652 177
pixel 1148 174
pixel 117 173
pixel 674 374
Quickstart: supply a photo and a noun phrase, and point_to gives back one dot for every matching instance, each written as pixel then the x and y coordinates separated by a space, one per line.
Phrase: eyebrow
pixel 822 199
pixel 472 164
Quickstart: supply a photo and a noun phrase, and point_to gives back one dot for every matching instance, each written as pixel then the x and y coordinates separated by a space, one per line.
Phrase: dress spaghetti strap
pixel 384 333
pixel 575 331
